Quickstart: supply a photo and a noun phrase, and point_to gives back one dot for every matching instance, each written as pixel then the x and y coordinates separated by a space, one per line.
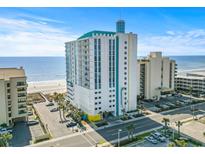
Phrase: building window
pixel 8 84
pixel 96 98
pixel 99 108
pixel 9 109
pixel 96 103
pixel 111 63
pixel 95 108
pixel 125 47
pixel 125 42
pixel 20 83
pixel 125 52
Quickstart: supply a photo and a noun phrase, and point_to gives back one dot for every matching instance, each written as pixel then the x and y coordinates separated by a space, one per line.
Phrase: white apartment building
pixel 101 72
pixel 191 81
pixel 156 76
pixel 13 94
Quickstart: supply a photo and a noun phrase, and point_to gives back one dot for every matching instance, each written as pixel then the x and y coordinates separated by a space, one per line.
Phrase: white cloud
pixel 24 37
pixel 174 43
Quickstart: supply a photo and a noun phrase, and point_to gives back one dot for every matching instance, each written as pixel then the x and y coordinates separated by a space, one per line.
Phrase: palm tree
pixel 166 122
pixel 4 139
pixel 179 124
pixel 59 98
pixel 130 129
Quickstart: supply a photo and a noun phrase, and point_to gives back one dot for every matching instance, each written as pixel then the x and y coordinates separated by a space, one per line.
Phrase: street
pixel 110 133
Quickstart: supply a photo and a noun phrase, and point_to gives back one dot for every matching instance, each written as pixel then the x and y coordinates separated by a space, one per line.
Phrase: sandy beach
pixel 47 86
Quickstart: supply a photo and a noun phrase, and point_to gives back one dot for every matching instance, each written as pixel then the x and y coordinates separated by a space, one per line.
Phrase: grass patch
pixel 124 118
pixel 34 97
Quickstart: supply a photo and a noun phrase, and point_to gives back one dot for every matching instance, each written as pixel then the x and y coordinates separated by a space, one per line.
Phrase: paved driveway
pixel 51 119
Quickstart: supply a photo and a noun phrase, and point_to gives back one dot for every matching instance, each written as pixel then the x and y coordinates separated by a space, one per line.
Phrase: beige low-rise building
pixel 156 76
pixel 13 95
pixel 193 82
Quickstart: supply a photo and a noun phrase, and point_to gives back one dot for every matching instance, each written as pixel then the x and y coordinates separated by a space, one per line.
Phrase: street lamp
pixel 119 130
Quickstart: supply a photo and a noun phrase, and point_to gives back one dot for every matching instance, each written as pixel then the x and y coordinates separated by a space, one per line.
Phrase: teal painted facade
pixel 96 32
pixel 117 76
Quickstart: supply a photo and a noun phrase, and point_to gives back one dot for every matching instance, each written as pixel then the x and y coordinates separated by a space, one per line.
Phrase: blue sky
pixel 43 31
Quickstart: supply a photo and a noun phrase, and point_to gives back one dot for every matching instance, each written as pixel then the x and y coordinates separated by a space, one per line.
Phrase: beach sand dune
pixel 47 87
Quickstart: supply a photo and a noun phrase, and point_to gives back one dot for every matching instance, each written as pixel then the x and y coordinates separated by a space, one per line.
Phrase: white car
pixel 4 130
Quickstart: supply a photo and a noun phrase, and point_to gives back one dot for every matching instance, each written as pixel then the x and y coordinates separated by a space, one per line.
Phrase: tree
pixel 166 122
pixel 4 139
pixel 130 129
pixel 179 124
pixel 60 99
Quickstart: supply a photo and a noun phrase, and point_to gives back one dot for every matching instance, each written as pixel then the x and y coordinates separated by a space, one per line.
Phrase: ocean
pixel 53 68
pixel 38 68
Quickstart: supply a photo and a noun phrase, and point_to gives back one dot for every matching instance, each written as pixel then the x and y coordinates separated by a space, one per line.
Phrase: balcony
pixel 20 95
pixel 22 112
pixel 22 107
pixel 21 89
pixel 21 84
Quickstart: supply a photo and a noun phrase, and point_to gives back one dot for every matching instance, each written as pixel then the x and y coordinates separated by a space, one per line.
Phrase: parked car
pixel 54 110
pixel 5 131
pixel 151 139
pixel 33 122
pixel 158 136
pixel 50 104
pixel 71 124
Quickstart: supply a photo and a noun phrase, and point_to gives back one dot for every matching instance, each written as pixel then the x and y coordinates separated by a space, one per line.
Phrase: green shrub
pixel 4 125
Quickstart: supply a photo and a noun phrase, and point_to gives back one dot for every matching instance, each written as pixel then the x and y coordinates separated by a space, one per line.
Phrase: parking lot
pixel 167 103
pixel 52 120
pixel 23 134
pixel 148 144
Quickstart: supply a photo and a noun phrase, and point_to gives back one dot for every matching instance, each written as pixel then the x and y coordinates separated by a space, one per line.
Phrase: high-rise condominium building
pixel 101 72
pixel 13 94
pixel 156 76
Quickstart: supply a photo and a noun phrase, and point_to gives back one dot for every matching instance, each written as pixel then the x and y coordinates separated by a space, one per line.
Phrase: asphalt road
pixel 110 133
